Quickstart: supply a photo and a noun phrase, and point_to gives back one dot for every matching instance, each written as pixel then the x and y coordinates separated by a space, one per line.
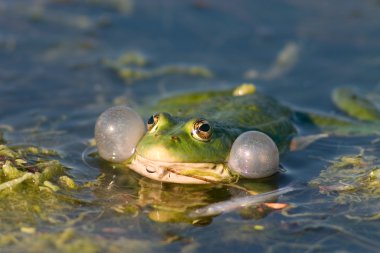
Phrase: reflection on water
pixel 64 62
pixel 166 202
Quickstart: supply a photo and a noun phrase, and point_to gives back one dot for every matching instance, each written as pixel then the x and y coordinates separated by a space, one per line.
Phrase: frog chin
pixel 181 172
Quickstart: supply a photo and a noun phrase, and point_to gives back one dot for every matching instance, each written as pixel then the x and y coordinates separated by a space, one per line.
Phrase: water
pixel 54 83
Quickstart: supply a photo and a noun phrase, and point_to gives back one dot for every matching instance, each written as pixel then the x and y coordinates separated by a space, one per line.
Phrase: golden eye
pixel 152 121
pixel 202 130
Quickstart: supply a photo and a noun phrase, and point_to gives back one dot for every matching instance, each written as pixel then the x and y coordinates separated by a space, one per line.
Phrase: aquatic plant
pixel 132 66
pixel 354 178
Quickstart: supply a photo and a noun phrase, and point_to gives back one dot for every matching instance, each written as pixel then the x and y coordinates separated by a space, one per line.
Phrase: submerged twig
pixel 233 204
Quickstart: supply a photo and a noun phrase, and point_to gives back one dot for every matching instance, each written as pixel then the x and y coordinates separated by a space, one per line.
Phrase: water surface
pixel 55 80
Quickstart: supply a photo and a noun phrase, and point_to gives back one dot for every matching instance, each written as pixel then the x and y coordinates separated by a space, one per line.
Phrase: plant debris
pixel 132 66
pixel 33 166
pixel 354 178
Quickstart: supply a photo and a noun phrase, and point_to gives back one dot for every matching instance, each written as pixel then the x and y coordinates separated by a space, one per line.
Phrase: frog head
pixel 181 150
pixel 195 140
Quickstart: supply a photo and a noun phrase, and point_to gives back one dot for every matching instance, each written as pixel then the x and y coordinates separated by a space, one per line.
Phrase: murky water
pixel 55 79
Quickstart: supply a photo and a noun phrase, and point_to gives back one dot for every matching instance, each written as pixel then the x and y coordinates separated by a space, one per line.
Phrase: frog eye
pixel 202 130
pixel 152 121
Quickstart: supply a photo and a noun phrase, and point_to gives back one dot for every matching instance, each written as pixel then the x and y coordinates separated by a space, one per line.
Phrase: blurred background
pixel 54 54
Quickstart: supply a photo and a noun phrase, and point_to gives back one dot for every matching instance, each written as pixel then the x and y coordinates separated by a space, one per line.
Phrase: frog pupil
pixel 150 120
pixel 204 127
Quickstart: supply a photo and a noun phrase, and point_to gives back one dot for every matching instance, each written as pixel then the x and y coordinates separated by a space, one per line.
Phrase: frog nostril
pixel 175 138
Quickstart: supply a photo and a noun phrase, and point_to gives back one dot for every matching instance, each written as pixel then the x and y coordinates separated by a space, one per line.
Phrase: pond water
pixel 63 62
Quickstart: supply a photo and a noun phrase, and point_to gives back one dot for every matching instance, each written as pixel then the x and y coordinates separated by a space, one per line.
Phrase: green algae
pixel 132 67
pixel 71 240
pixel 354 177
pixel 40 210
pixel 130 75
pixel 30 180
pixel 131 59
pixel 67 182
pixel 30 165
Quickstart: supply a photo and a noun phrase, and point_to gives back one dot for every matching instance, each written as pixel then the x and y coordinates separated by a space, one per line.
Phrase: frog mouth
pixel 183 173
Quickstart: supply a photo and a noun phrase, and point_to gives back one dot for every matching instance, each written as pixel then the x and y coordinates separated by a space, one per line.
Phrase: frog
pixel 189 137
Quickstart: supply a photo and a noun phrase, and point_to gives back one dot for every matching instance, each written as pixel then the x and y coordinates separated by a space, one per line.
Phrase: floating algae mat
pixel 33 184
pixel 353 179
pixel 39 208
pixel 30 164
pixel 133 66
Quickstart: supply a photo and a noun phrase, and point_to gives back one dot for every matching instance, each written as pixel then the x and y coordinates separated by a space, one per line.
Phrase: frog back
pixel 237 114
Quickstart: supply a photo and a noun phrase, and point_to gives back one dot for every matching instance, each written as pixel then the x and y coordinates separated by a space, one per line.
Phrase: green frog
pixel 189 137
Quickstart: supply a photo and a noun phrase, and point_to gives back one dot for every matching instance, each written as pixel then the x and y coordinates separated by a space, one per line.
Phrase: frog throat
pixel 182 173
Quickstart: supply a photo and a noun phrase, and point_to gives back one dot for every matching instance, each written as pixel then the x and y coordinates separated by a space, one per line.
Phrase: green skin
pixel 171 148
